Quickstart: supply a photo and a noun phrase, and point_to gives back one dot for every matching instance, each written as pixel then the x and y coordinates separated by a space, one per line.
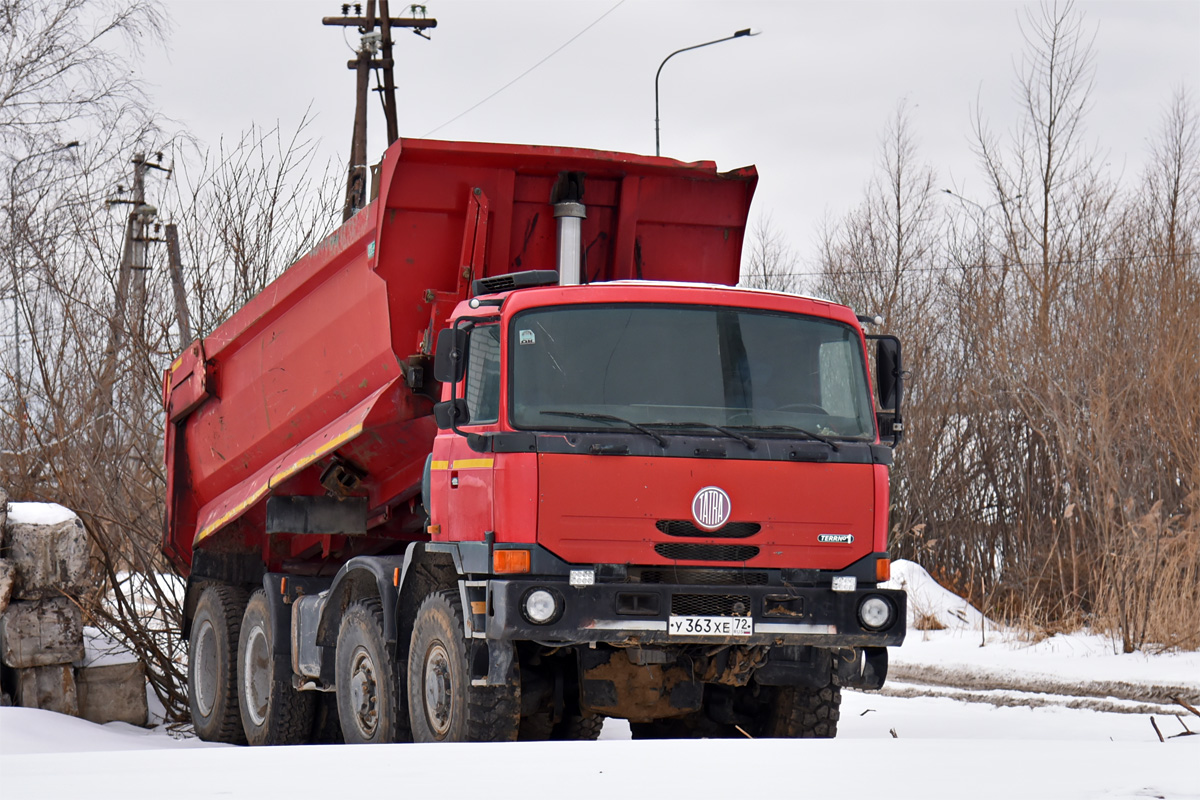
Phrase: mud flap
pixel 491 662
pixel 867 670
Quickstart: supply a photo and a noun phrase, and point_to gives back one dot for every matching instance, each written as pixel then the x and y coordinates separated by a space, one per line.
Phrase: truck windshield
pixel 660 364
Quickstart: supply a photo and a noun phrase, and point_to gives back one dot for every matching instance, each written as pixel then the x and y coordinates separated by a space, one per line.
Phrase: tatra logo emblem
pixel 711 508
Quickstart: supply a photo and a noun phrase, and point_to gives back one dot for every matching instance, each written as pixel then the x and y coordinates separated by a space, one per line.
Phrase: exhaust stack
pixel 570 213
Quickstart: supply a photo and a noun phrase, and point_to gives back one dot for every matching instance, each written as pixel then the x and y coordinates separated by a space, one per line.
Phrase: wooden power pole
pixel 374 52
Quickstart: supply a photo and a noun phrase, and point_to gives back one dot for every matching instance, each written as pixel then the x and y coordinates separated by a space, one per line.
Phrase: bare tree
pixel 878 258
pixel 82 429
pixel 246 212
pixel 771 263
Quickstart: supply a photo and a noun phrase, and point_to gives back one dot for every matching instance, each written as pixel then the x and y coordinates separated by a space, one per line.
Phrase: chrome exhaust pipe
pixel 570 213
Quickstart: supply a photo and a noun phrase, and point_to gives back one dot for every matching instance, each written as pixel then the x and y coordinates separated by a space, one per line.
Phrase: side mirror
pixel 449 358
pixel 452 413
pixel 889 382
pixel 889 385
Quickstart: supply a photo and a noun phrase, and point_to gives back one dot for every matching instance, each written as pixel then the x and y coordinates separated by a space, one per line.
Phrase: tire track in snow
pixel 970 684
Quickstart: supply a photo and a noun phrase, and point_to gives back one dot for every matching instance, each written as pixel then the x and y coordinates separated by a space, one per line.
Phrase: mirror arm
pixel 472 438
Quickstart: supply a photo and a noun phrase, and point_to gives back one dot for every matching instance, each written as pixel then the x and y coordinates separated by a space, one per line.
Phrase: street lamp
pixel 16 277
pixel 736 35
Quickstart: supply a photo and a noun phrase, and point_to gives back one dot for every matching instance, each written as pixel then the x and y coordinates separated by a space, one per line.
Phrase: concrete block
pixel 50 559
pixel 8 575
pixel 40 633
pixel 51 688
pixel 113 693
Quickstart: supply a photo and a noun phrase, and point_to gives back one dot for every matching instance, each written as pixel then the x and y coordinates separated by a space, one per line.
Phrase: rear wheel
pixel 571 728
pixel 370 697
pixel 272 711
pixel 578 728
pixel 443 704
pixel 326 728
pixel 212 664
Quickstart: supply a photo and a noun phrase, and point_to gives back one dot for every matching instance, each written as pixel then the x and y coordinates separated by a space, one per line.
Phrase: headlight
pixel 875 612
pixel 541 606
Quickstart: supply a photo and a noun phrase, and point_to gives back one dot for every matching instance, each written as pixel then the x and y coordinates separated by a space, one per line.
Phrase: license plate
pixel 710 626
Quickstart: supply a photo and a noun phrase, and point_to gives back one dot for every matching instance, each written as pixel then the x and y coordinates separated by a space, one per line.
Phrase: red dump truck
pixel 509 453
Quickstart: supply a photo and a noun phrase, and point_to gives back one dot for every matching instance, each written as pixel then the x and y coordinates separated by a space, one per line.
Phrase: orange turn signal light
pixel 883 569
pixel 508 562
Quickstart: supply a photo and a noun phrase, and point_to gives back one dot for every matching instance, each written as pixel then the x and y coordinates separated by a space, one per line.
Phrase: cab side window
pixel 483 375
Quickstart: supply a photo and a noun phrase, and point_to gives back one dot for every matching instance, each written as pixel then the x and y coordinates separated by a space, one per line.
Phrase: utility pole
pixel 131 277
pixel 373 44
pixel 133 261
pixel 175 266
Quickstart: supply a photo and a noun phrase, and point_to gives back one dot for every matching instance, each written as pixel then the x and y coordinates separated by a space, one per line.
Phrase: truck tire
pixel 571 728
pixel 272 711
pixel 578 728
pixel 326 729
pixel 443 705
pixel 370 697
pixel 212 665
pixel 801 713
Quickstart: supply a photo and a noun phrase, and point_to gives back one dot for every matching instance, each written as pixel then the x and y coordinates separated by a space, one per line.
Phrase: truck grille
pixel 710 605
pixel 705 577
pixel 678 551
pixel 683 528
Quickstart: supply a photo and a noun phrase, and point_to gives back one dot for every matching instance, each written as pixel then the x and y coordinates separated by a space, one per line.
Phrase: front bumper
pixel 638 614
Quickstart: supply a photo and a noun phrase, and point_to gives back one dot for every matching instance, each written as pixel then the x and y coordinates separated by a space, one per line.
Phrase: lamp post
pixel 16 277
pixel 736 35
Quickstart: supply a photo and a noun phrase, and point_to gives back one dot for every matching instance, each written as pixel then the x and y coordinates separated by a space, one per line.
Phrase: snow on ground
pixel 38 513
pixel 1076 657
pixel 944 749
pixel 929 599
pixel 893 747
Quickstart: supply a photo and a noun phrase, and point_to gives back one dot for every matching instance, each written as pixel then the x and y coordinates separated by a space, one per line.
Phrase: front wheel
pixel 443 704
pixel 370 699
pixel 801 713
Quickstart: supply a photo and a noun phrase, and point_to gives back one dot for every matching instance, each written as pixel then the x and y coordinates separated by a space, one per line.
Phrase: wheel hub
pixel 438 689
pixel 256 667
pixel 364 697
pixel 204 668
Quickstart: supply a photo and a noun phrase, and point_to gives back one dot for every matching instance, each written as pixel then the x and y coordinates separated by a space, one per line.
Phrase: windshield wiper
pixel 608 418
pixel 816 437
pixel 746 440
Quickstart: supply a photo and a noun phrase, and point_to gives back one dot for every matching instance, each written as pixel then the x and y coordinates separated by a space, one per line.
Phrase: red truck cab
pixel 656 466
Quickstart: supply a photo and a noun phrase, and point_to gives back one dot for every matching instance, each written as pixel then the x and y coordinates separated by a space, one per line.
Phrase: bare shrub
pixel 1051 466
pixel 81 421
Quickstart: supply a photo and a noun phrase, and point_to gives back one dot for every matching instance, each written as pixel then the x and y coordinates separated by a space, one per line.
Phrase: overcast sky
pixel 805 101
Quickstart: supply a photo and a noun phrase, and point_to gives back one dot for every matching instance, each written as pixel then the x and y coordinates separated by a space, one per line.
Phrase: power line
pixel 962 267
pixel 526 72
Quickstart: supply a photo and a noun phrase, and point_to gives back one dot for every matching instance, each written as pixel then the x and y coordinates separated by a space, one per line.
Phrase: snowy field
pixel 1063 718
